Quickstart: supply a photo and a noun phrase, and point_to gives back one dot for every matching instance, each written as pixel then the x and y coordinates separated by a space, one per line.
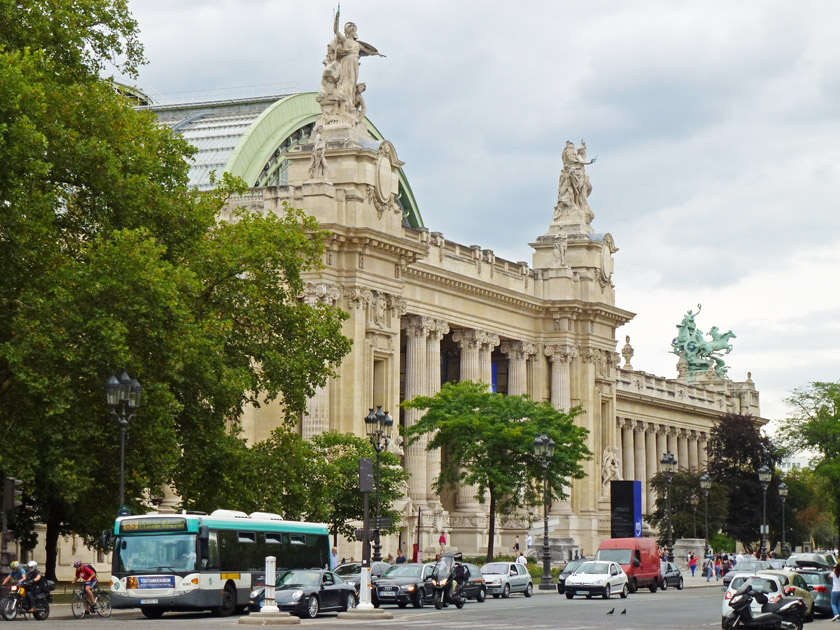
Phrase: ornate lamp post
pixel 123 397
pixel 705 485
pixel 544 449
pixel 783 492
pixel 764 478
pixel 378 426
pixel 694 500
pixel 669 466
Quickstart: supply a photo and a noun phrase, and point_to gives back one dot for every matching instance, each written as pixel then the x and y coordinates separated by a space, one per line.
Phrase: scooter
pixel 447 586
pixel 787 615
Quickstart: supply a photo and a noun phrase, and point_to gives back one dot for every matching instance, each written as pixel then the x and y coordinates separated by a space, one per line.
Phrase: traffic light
pixel 11 494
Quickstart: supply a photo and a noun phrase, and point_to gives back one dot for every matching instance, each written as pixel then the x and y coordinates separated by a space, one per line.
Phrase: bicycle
pixel 102 607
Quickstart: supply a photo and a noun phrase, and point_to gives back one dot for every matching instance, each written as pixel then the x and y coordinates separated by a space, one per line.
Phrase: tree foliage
pixel 736 451
pixel 488 440
pixel 112 262
pixel 814 426
pixel 684 521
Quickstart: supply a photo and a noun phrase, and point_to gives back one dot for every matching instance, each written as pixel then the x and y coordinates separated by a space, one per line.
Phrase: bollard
pixel 270 603
pixel 364 590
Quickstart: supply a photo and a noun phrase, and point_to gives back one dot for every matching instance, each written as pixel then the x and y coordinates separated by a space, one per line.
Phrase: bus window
pixel 298 539
pixel 273 539
pixel 213 551
pixel 247 537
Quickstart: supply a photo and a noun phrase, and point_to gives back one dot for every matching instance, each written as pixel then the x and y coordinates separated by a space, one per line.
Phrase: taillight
pixel 774 599
pixel 789 590
pixel 727 595
pixel 820 589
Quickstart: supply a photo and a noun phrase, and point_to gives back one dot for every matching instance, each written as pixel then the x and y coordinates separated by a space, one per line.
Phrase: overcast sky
pixel 715 125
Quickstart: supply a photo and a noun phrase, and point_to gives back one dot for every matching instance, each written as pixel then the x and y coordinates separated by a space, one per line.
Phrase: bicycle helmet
pixel 31 565
pixel 77 564
pixel 15 564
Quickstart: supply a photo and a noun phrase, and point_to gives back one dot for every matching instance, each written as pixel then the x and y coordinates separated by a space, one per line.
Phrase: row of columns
pixel 644 443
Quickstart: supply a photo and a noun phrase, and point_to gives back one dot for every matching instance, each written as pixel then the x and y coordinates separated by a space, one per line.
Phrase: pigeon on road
pixel 611 612
pixel 624 612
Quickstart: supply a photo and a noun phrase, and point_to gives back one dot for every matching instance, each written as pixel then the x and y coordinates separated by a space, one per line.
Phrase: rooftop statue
pixel 697 354
pixel 572 208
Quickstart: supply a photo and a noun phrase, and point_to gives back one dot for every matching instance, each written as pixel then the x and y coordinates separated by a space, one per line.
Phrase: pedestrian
pixel 582 555
pixel 521 559
pixel 400 557
pixel 835 592
pixel 707 568
pixel 692 563
pixel 333 559
pixel 442 541
pixel 516 544
pixel 529 542
pixel 389 559
pixel 718 567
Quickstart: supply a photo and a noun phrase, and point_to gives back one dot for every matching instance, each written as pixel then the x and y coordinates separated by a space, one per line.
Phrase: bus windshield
pixel 161 553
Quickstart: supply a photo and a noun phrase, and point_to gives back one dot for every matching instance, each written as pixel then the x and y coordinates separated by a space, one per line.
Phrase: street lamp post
pixel 764 478
pixel 669 466
pixel 123 397
pixel 694 500
pixel 544 449
pixel 783 492
pixel 705 484
pixel 378 426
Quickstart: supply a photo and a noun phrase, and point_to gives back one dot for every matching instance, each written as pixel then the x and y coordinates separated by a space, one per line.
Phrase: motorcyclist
pixel 16 574
pixel 460 575
pixel 35 581
pixel 87 574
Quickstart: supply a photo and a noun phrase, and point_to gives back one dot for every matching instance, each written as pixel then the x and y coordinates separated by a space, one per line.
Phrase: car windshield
pixel 752 566
pixel 495 568
pixel 815 578
pixel 758 584
pixel 348 569
pixel 291 579
pixel 595 568
pixel 571 565
pixel 622 556
pixel 159 553
pixel 404 570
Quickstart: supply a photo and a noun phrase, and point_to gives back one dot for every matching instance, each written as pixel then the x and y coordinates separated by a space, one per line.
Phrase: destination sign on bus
pixel 166 524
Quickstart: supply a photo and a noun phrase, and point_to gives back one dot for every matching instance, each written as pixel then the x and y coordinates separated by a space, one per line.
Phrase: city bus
pixel 193 561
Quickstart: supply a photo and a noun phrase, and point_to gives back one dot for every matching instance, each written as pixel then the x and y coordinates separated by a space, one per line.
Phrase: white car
pixel 597 578
pixel 770 585
pixel 504 578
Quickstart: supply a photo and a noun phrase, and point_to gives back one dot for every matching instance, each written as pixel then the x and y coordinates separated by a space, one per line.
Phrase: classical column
pixel 471 342
pixel 561 357
pixel 517 353
pixel 640 471
pixel 702 447
pixel 316 418
pixel 436 333
pixel 682 446
pixel 650 468
pixel 661 444
pixel 485 357
pixel 416 332
pixel 627 450
pixel 692 451
pixel 671 432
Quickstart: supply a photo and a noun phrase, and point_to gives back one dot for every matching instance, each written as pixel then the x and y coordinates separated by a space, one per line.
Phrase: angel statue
pixel 611 467
pixel 574 186
pixel 346 50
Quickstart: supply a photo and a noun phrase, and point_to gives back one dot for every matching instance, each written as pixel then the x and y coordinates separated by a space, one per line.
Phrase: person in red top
pixel 87 574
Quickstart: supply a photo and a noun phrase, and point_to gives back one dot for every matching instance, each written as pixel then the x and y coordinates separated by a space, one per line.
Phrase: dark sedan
pixel 405 584
pixel 570 567
pixel 819 583
pixel 351 572
pixel 671 576
pixel 306 592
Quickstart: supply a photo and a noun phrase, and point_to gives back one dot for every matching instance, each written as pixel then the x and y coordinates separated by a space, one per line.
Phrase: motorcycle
pixel 12 604
pixel 784 615
pixel 447 585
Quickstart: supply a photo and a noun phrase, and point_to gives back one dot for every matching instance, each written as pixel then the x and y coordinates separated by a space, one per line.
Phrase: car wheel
pixel 402 604
pixel 420 600
pixel 664 585
pixel 606 594
pixel 634 585
pixel 349 602
pixel 311 609
pixel 506 591
pixel 529 590
pixel 495 596
pixel 151 613
pixel 680 584
pixel 569 595
pixel 624 591
pixel 482 595
pixel 653 586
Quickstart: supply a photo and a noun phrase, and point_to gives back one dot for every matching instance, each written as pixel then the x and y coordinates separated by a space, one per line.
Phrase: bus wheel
pixel 151 613
pixel 228 601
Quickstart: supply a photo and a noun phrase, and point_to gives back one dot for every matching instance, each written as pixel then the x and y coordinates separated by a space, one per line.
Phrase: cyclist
pixel 33 577
pixel 16 574
pixel 87 574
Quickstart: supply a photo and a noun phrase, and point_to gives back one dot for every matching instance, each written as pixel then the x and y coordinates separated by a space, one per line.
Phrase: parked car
pixel 351 572
pixel 404 584
pixel 307 592
pixel 810 561
pixel 504 578
pixel 794 585
pixel 770 585
pixel 597 578
pixel 476 587
pixel 819 583
pixel 671 576
pixel 746 566
pixel 638 557
pixel 570 567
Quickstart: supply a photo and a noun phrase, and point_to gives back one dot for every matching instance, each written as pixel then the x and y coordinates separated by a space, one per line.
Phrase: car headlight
pixel 296 595
pixel 256 593
pixel 409 588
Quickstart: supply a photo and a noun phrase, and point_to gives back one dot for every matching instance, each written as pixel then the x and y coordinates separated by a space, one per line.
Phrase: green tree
pixel 341 503
pixel 488 441
pixel 814 426
pixel 684 484
pixel 112 261
pixel 736 451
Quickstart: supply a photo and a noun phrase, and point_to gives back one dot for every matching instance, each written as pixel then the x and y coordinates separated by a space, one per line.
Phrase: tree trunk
pixel 51 544
pixel 492 524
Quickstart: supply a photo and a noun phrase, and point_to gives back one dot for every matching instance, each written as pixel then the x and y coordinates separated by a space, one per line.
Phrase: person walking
pixel 835 592
pixel 442 541
pixel 521 560
pixel 516 544
pixel 707 568
pixel 718 567
pixel 529 541
pixel 692 563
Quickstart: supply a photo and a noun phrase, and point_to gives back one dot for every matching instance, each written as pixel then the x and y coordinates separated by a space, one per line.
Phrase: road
pixel 675 610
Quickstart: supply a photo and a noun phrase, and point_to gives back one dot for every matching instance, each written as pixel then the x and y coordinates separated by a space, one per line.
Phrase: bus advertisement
pixel 193 561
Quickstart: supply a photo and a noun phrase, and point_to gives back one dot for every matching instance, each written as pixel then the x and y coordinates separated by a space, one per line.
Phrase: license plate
pixel 148 601
pixel 386 594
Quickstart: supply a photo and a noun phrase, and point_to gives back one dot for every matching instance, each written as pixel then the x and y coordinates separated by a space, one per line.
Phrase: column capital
pixel 652 427
pixel 467 337
pixel 518 349
pixel 490 340
pixel 416 325
pixel 322 292
pixel 564 353
pixel 438 328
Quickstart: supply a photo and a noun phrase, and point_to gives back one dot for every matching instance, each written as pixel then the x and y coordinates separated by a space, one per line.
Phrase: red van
pixel 639 557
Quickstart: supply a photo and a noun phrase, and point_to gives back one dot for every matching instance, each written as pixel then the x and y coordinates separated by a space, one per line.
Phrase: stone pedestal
pixel 684 546
pixel 561 549
pixel 366 614
pixel 269 619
